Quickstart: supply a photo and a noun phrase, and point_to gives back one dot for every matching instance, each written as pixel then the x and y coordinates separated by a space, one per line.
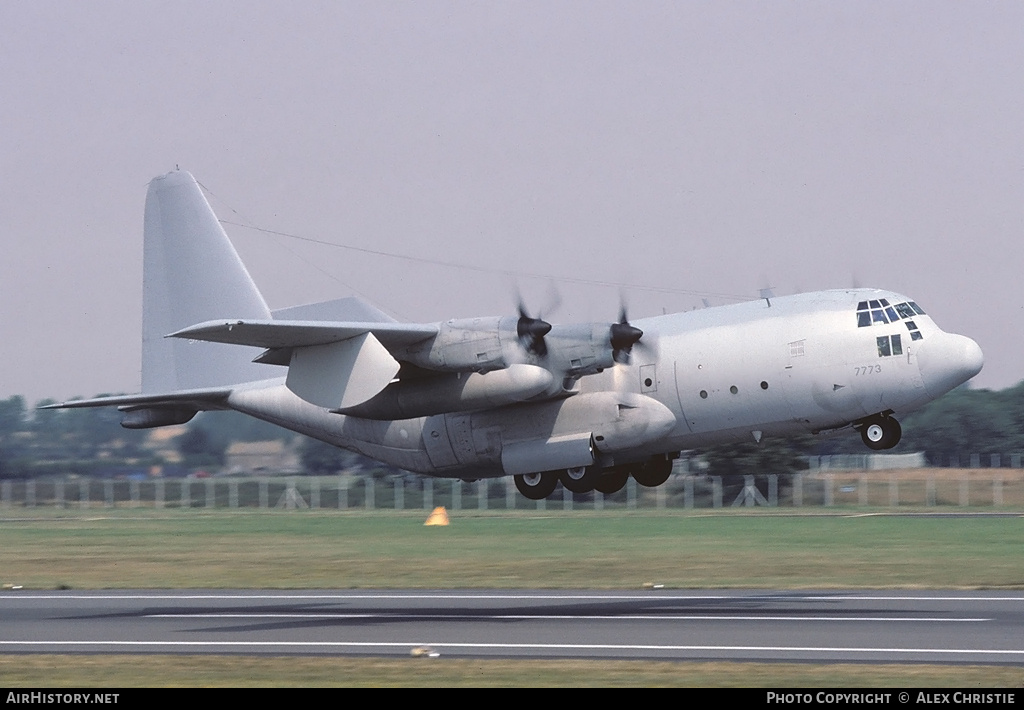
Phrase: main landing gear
pixel 585 479
pixel 880 433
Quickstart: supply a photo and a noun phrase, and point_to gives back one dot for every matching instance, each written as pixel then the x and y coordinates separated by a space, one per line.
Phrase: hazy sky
pixel 704 149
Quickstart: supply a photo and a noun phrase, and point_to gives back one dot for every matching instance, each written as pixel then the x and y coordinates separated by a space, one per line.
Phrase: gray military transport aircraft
pixel 584 404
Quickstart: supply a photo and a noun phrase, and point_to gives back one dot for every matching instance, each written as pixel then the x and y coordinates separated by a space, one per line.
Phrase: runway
pixel 934 627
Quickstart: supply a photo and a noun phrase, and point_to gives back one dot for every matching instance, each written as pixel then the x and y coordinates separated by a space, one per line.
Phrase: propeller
pixel 623 337
pixel 531 332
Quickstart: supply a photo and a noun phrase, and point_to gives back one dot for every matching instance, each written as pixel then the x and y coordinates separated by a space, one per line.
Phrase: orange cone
pixel 439 516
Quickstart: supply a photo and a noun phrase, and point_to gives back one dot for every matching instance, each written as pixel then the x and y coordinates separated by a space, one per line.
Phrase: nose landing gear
pixel 880 433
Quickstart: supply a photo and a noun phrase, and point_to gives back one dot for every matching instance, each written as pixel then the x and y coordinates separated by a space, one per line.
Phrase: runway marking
pixel 556 617
pixel 518 646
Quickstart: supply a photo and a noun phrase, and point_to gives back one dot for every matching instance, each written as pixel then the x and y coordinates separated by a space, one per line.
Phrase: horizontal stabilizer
pixel 341 374
pixel 199 399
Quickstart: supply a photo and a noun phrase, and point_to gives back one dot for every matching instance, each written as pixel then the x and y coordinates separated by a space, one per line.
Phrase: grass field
pixel 229 549
pixel 46 549
pixel 118 671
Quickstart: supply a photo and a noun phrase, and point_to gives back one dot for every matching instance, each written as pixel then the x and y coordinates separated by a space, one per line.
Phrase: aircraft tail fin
pixel 191 274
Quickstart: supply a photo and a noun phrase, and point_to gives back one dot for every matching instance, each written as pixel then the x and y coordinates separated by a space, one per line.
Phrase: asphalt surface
pixel 902 626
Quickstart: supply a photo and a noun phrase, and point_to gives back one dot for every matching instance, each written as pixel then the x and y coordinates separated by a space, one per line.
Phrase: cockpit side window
pixel 889 345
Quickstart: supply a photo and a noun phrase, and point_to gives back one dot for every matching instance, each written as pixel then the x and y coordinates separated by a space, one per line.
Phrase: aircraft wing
pixel 333 364
pixel 274 334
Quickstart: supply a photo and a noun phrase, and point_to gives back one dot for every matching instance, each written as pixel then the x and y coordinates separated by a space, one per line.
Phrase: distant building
pixel 261 457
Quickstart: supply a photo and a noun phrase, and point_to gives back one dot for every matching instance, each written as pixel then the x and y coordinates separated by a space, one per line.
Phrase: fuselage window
pixel 897 345
pixel 883 346
pixel 915 334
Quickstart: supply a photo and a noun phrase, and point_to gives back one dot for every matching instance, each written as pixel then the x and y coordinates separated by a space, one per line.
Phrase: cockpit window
pixel 879 312
pixel 905 310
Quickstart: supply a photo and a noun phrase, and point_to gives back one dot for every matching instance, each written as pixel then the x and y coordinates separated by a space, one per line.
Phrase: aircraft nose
pixel 947 360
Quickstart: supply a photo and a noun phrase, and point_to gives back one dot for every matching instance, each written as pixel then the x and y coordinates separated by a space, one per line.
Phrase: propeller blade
pixel 624 337
pixel 531 331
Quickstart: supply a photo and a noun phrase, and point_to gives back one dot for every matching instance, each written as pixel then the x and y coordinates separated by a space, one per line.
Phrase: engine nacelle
pixel 469 345
pixel 579 349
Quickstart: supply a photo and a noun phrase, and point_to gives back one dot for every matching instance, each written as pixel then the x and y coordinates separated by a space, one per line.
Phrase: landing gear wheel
pixel 580 479
pixel 653 473
pixel 536 486
pixel 880 434
pixel 612 481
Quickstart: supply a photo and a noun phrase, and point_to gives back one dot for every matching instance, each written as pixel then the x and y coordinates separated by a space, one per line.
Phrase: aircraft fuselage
pixel 806 363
